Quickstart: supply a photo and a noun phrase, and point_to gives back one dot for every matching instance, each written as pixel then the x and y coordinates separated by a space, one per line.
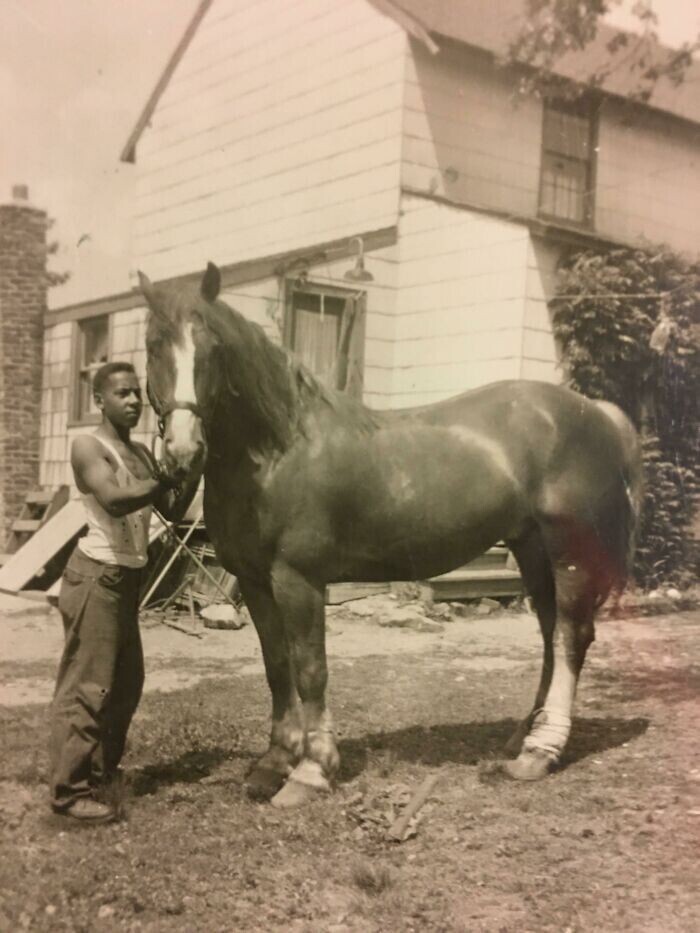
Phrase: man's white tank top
pixel 124 540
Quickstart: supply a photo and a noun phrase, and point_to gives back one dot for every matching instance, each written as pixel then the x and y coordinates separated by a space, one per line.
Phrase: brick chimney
pixel 22 305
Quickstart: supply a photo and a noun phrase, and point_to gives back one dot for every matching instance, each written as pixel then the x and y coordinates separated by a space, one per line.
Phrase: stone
pixel 428 625
pixel 487 606
pixel 401 617
pixel 370 606
pixel 222 615
pixel 461 610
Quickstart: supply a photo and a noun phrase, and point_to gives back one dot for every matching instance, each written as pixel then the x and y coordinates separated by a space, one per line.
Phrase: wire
pixel 658 295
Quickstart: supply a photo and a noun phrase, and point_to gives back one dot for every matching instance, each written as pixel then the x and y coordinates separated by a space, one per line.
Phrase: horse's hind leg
pixel 577 592
pixel 303 609
pixel 269 773
pixel 538 579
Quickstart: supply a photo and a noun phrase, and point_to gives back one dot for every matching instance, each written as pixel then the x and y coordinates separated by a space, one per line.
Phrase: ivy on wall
pixel 624 320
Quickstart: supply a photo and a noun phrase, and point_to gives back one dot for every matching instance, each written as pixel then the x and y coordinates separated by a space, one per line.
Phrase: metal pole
pixel 171 561
pixel 196 560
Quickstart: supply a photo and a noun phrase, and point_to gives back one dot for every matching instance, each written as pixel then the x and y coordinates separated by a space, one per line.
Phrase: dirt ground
pixel 610 842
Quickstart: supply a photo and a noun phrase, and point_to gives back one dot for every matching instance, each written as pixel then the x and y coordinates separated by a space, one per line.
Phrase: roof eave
pixel 128 153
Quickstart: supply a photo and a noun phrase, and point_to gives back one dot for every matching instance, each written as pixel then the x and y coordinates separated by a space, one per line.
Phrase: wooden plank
pixel 39 497
pixel 25 525
pixel 343 592
pixel 48 540
pixel 471 584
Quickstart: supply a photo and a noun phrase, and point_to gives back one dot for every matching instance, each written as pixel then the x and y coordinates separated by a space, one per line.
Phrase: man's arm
pixel 93 474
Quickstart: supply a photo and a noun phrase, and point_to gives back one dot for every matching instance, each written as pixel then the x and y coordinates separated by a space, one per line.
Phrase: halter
pixel 168 410
pixel 177 406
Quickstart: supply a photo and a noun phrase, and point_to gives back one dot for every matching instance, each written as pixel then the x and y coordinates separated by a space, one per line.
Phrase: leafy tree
pixel 552 29
pixel 53 278
pixel 624 321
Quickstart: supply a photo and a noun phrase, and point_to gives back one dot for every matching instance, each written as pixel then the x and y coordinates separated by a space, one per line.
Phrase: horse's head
pixel 178 353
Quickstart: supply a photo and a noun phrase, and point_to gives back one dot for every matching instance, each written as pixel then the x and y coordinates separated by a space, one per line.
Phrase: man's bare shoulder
pixel 87 448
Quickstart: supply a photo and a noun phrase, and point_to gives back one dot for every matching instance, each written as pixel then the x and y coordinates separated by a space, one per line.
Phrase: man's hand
pixel 161 474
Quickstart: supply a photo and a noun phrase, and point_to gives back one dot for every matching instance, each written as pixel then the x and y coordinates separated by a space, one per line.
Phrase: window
pixel 568 161
pixel 325 331
pixel 91 350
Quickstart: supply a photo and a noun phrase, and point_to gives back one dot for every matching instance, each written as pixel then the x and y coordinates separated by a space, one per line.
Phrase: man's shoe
pixel 88 810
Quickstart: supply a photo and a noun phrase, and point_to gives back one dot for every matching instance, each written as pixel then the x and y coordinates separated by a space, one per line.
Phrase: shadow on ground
pixel 447 743
pixel 472 742
pixel 189 768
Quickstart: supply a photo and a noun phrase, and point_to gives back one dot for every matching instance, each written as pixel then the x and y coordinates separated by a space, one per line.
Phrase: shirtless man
pixel 101 673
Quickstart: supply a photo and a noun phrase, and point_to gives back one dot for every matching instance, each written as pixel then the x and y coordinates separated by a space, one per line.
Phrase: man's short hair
pixel 102 375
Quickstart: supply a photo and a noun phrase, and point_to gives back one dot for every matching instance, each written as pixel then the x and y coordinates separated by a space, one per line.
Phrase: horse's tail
pixel 633 479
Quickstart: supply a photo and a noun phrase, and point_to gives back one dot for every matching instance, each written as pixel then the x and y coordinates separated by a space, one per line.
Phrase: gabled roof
pixel 493 25
pixel 129 151
pixel 484 25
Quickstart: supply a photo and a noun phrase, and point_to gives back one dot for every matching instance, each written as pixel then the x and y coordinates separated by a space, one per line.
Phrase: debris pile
pixel 392 813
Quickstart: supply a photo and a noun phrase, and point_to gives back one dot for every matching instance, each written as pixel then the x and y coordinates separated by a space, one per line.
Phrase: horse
pixel 305 486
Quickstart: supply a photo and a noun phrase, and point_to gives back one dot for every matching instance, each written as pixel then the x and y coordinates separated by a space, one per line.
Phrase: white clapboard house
pixel 293 142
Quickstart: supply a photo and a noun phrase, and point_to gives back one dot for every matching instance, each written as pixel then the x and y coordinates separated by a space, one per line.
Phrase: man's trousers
pixel 100 677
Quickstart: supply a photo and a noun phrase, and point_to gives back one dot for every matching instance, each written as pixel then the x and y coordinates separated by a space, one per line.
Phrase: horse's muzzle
pixel 184 444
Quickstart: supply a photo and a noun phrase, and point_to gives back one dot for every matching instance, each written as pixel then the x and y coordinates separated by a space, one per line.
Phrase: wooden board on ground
pixel 475 584
pixel 28 561
pixel 344 592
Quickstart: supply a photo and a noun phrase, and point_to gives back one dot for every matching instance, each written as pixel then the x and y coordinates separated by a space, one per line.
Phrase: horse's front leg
pixel 303 610
pixel 269 773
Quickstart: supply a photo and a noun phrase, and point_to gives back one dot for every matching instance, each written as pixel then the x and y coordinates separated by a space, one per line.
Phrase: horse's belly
pixel 414 526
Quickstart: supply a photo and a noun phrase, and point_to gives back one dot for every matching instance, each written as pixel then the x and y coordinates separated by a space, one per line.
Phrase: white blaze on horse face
pixel 183 429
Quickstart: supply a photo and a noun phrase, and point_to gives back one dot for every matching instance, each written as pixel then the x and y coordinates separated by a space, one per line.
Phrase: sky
pixel 74 77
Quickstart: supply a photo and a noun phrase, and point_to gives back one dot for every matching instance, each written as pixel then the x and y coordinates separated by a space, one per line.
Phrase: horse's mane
pixel 277 390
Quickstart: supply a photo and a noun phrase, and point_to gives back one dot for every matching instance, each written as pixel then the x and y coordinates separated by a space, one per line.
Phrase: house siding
pixel 460 128
pixel 468 140
pixel 460 301
pixel 648 178
pixel 281 128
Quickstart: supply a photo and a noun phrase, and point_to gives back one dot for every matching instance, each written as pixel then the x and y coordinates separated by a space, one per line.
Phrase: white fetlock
pixel 549 733
pixel 310 773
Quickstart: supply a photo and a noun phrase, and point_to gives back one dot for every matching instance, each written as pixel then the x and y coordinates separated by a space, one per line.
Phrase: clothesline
pixel 657 295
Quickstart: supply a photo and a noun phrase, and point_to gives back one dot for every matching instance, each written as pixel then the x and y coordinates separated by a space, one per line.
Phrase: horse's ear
pixel 211 282
pixel 147 289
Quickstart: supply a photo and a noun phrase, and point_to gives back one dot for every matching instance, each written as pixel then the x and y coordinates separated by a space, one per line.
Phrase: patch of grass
pixel 372 878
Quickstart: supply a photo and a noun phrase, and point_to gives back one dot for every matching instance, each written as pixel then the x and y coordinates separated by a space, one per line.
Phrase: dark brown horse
pixel 304 487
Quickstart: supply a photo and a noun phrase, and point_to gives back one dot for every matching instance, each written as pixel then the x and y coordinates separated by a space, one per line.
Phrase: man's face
pixel 120 402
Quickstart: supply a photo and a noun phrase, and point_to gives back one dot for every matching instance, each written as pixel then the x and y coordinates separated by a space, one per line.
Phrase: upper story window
pixel 324 328
pixel 568 161
pixel 91 350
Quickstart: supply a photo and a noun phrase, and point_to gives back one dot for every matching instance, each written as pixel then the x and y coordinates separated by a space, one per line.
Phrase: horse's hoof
pixel 263 783
pixel 530 765
pixel 296 794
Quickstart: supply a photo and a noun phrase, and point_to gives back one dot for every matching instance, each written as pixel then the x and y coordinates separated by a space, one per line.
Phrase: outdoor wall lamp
pixel 358 273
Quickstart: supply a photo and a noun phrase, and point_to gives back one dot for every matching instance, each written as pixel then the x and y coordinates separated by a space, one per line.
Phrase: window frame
pixel 587 108
pixel 310 287
pixel 78 418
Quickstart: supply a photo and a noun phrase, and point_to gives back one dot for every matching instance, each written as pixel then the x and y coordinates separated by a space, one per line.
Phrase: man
pixel 101 673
